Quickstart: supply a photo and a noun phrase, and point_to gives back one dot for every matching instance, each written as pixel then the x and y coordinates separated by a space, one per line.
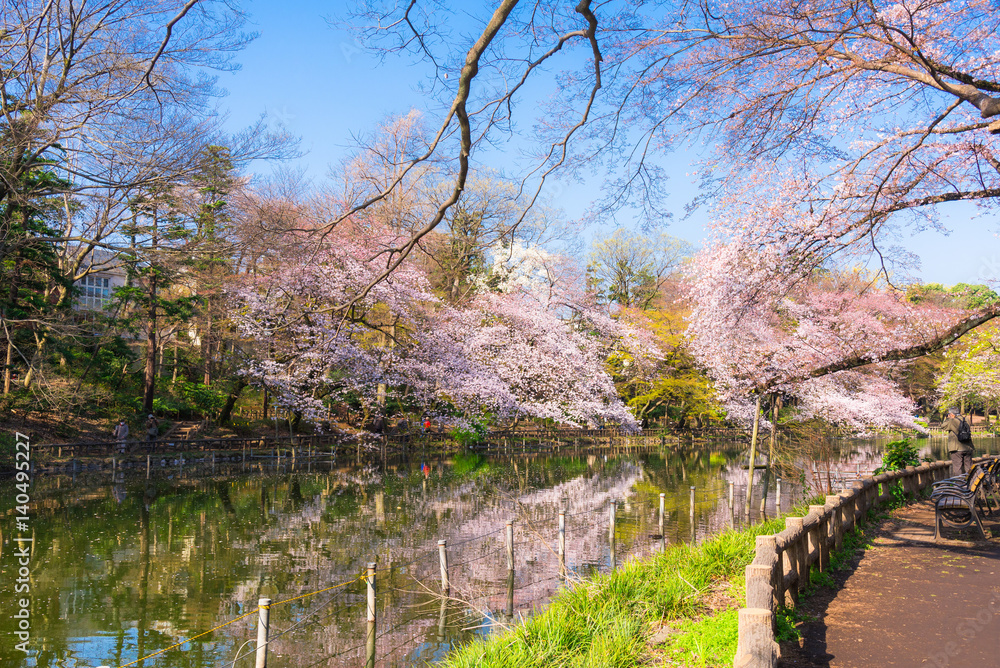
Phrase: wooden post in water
pixel 663 500
pixel 562 543
pixel 370 642
pixel 510 545
pixel 691 510
pixel 147 467
pixel 732 498
pixel 443 554
pixel 612 511
pixel 663 530
pixel 510 596
pixel 263 625
pixel 442 618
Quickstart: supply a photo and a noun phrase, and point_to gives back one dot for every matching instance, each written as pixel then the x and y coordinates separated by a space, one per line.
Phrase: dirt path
pixel 909 602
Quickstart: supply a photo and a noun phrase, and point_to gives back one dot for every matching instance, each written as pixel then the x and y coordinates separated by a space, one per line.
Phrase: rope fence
pixel 475 589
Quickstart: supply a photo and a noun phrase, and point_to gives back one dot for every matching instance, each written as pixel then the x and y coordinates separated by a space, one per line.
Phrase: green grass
pixel 710 641
pixel 606 621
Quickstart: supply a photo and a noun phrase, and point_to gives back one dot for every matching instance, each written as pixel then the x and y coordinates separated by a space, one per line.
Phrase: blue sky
pixel 319 84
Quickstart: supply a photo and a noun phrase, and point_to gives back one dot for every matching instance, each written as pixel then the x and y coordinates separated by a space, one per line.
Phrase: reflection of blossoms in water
pixel 208 547
pixel 471 515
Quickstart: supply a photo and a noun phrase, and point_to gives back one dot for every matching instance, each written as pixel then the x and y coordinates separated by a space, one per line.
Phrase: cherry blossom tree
pixel 793 335
pixel 511 354
pixel 830 122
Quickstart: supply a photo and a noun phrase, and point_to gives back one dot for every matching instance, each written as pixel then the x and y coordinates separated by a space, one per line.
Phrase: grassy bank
pixel 674 608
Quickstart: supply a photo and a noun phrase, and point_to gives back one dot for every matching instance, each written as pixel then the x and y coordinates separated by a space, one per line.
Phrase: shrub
pixel 898 455
pixel 473 433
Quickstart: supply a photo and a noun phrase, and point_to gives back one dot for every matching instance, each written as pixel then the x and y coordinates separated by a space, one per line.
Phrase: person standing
pixel 152 428
pixel 959 442
pixel 121 434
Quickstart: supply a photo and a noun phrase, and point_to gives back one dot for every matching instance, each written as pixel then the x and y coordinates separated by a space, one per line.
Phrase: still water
pixel 123 567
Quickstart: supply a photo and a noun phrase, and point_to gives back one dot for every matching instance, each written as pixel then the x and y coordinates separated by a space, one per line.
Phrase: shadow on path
pixel 908 601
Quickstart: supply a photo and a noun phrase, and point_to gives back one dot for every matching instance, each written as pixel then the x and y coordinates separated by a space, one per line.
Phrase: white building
pixel 107 272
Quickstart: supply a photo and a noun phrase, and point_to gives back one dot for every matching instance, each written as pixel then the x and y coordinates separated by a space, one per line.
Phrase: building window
pixel 96 293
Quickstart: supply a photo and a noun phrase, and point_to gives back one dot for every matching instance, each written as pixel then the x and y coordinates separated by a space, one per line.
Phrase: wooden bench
pixel 955 502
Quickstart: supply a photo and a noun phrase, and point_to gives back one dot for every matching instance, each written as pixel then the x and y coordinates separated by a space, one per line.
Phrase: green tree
pixel 970 372
pixel 629 268
pixel 211 251
pixel 29 268
pixel 675 389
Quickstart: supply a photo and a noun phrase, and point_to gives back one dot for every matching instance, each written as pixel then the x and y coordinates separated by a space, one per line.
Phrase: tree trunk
pixel 775 407
pixel 149 386
pixel 176 346
pixel 37 357
pixel 770 449
pixel 7 366
pixel 208 351
pixel 227 411
pixel 753 458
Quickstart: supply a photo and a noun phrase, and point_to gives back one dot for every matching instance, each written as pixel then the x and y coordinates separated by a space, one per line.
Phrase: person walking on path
pixel 959 442
pixel 121 434
pixel 152 428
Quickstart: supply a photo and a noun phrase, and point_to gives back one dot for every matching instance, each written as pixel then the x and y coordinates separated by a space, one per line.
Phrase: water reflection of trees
pixel 127 569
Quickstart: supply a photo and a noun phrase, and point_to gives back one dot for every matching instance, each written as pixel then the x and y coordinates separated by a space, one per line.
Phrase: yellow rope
pixel 247 614
pixel 167 649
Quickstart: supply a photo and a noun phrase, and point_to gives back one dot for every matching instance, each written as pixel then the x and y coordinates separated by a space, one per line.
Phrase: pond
pixel 124 567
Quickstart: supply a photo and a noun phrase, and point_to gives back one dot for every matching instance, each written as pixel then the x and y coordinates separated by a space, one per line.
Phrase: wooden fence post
pixel 822 537
pixel 755 647
pixel 510 545
pixel 799 556
pixel 835 505
pixel 562 543
pixel 913 482
pixel 612 510
pixel 263 626
pixel 860 502
pixel 370 637
pixel 767 555
pixel 443 558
